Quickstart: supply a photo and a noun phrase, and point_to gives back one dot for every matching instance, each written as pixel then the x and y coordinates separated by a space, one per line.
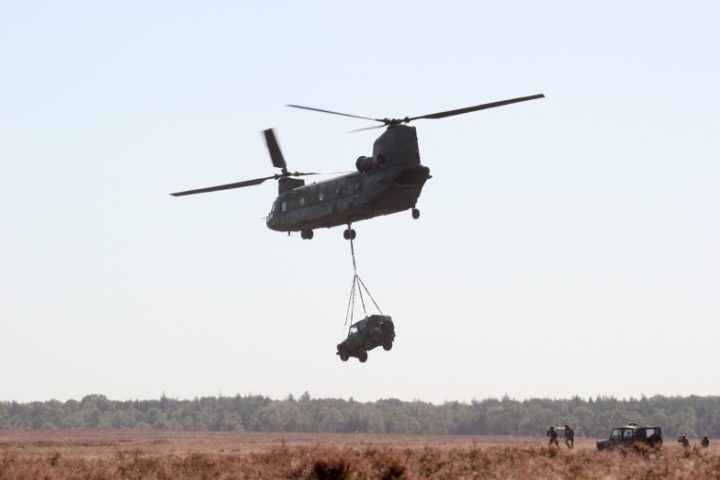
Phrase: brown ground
pixel 175 455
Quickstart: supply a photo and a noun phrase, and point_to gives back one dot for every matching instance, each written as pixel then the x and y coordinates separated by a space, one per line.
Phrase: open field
pixel 132 454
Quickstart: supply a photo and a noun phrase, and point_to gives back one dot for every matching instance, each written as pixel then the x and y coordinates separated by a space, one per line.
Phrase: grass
pixel 69 454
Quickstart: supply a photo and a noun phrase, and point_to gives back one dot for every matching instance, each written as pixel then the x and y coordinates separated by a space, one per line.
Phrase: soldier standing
pixel 705 442
pixel 569 437
pixel 684 441
pixel 552 433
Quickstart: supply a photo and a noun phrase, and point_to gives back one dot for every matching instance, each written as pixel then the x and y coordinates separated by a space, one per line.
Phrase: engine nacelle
pixel 365 164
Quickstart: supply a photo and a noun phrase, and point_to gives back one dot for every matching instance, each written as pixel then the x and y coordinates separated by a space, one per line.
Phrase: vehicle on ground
pixel 631 434
pixel 370 332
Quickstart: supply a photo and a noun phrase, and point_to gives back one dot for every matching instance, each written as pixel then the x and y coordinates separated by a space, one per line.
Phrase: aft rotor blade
pixel 336 113
pixel 366 128
pixel 460 111
pixel 276 155
pixel 228 186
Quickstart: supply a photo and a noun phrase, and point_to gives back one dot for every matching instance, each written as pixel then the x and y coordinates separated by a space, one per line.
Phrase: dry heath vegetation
pixel 317 457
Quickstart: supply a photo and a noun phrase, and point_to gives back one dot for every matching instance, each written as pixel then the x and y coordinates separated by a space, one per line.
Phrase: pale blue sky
pixel 566 246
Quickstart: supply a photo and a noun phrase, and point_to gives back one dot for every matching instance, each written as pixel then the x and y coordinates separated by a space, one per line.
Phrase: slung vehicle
pixel 630 434
pixel 389 181
pixel 368 333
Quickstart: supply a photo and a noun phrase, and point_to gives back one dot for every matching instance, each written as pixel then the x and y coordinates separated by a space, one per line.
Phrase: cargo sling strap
pixel 357 290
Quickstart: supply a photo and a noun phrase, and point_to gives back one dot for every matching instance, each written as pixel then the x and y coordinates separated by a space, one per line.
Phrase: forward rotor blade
pixel 336 113
pixel 460 111
pixel 276 155
pixel 246 183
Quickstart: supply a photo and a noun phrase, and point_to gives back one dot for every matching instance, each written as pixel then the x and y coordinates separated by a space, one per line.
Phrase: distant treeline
pixel 693 416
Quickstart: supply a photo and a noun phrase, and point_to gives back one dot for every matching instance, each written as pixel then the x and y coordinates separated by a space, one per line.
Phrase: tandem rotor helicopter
pixel 389 181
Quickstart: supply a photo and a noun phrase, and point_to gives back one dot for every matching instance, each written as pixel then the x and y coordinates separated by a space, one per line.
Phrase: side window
pixel 358 187
pixel 321 196
pixel 283 207
pixel 302 201
pixel 627 434
pixel 338 191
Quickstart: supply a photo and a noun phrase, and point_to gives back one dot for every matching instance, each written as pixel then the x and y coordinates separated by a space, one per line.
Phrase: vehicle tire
pixel 387 346
pixel 415 213
pixel 363 356
pixel 344 357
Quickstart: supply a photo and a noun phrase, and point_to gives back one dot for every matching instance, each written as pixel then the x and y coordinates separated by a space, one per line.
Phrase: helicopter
pixel 389 181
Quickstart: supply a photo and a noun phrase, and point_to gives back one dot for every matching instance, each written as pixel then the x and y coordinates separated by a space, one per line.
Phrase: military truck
pixel 368 333
pixel 631 434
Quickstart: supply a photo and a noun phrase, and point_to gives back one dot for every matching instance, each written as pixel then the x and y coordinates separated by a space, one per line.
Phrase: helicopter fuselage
pixel 348 199
pixel 388 182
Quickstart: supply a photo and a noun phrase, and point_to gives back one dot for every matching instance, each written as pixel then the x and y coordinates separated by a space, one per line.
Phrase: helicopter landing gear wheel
pixel 362 357
pixel 349 234
pixel 387 346
pixel 415 213
pixel 306 234
pixel 344 357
